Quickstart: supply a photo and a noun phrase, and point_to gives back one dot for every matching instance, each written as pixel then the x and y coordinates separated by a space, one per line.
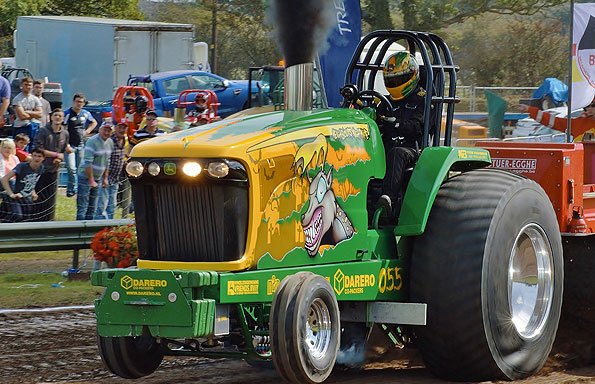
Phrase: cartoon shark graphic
pixel 325 222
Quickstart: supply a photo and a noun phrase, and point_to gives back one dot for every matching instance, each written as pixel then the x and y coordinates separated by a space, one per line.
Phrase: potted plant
pixel 116 246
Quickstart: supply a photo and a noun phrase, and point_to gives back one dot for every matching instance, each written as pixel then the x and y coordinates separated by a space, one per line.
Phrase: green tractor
pixel 260 239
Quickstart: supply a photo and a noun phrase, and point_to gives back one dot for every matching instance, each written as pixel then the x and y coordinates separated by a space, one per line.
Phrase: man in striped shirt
pixel 149 131
pixel 116 178
pixel 93 172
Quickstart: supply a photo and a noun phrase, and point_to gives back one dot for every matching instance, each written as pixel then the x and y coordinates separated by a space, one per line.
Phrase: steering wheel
pixel 373 99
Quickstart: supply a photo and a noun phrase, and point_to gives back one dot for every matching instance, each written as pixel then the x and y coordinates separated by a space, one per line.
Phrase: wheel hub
pixel 318 329
pixel 530 281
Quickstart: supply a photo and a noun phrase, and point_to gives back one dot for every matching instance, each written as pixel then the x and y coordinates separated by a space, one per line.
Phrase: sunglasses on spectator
pixel 592 105
pixel 151 119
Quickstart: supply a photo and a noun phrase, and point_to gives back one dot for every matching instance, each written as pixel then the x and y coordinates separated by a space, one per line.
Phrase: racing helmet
pixel 201 97
pixel 141 103
pixel 401 74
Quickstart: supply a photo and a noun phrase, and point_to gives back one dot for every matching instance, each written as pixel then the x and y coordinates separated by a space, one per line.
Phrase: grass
pixel 34 279
pixel 44 290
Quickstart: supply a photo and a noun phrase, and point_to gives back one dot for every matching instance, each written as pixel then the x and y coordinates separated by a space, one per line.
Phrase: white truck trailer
pixel 95 55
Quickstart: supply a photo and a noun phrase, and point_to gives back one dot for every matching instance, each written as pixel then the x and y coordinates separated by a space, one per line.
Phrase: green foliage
pixel 376 14
pixel 11 9
pixel 520 53
pixel 120 9
pixel 243 36
pixel 432 15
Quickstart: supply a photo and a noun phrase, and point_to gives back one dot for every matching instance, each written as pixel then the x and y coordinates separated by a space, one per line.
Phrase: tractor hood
pixel 233 138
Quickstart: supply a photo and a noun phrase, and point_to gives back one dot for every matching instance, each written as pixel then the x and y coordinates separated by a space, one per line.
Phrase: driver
pixel 401 132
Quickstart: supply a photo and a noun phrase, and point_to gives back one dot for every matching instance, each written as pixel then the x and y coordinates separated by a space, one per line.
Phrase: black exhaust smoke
pixel 301 28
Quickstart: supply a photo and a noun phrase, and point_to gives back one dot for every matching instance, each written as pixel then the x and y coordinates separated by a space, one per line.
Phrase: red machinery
pixel 566 171
pixel 124 106
pixel 187 98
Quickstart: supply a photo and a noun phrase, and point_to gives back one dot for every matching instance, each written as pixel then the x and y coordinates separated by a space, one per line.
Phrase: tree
pixel 121 9
pixel 243 35
pixel 516 52
pixel 432 15
pixel 376 14
pixel 11 9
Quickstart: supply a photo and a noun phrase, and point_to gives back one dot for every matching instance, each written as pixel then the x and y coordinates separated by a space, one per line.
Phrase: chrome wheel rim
pixel 530 281
pixel 318 329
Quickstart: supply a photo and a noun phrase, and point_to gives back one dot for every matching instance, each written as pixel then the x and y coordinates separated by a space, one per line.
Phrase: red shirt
pixel 22 154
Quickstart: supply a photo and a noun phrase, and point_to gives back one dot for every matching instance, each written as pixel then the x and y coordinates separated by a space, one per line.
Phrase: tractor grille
pixel 191 222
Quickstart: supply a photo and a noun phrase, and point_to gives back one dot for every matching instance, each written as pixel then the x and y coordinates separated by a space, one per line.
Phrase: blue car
pixel 166 86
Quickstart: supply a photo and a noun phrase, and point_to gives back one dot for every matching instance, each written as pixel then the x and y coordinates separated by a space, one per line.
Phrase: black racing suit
pixel 402 138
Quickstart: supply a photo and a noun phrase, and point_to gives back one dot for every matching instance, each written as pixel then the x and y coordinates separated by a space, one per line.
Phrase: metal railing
pixel 53 235
pixel 476 100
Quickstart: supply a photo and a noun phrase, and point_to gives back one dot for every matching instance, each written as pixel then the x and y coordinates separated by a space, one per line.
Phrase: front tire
pixel 490 268
pixel 130 357
pixel 305 328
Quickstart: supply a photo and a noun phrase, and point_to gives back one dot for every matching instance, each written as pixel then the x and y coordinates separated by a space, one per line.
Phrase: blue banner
pixel 341 44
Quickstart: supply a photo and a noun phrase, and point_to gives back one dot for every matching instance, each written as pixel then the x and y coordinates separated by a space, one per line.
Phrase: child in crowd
pixel 21 141
pixel 23 196
pixel 8 158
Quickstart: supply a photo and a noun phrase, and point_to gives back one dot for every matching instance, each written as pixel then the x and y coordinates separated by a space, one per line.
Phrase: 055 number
pixel 389 279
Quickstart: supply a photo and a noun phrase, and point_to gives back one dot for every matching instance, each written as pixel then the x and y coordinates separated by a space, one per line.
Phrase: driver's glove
pixel 388 119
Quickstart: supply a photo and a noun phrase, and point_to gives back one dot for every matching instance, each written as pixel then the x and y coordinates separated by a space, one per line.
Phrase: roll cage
pixel 439 82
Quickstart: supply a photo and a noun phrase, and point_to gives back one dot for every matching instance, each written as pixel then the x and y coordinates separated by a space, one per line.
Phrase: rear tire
pixel 130 357
pixel 305 328
pixel 490 268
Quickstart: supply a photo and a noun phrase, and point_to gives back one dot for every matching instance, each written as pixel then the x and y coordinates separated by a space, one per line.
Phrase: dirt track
pixel 60 347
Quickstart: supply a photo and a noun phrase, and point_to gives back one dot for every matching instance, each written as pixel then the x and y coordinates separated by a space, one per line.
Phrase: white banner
pixel 583 55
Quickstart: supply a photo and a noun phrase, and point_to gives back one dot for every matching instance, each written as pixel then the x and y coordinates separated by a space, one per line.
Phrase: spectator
pixel 106 203
pixel 45 105
pixel 81 125
pixel 136 114
pixel 4 99
pixel 53 141
pixel 8 160
pixel 24 195
pixel 93 172
pixel 21 141
pixel 149 131
pixel 28 110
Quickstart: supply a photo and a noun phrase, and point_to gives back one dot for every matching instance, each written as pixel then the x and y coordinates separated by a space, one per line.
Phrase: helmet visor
pixel 393 81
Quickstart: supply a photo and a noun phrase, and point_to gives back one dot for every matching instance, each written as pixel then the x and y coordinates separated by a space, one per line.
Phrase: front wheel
pixel 130 357
pixel 305 328
pixel 490 268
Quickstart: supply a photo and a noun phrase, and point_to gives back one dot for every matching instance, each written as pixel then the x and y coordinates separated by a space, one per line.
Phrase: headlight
pixel 153 169
pixel 134 169
pixel 218 169
pixel 191 168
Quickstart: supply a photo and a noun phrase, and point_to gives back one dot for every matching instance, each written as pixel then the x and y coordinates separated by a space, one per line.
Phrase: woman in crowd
pixel 8 160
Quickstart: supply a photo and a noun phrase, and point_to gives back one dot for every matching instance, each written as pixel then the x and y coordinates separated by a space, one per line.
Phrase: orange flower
pixel 116 246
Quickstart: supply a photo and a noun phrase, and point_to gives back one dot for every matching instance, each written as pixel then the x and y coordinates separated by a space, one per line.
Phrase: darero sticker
pixel 352 284
pixel 144 287
pixel 515 165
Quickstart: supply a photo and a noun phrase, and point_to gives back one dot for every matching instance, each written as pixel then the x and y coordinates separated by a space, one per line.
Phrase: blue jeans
pixel 73 162
pixel 106 202
pixel 86 199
